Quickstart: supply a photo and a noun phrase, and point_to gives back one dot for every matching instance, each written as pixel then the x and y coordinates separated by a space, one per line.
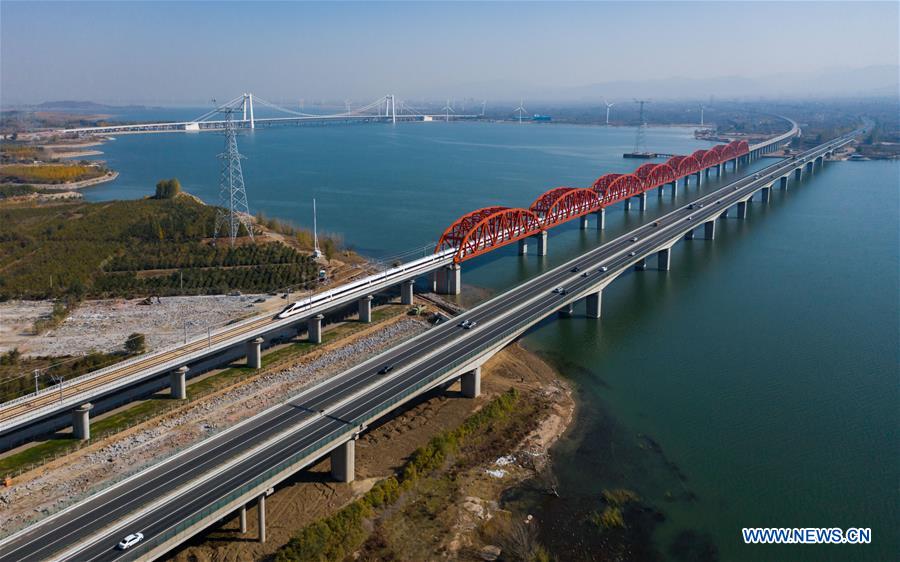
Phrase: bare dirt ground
pixel 16 319
pixel 310 495
pixel 111 321
pixel 57 484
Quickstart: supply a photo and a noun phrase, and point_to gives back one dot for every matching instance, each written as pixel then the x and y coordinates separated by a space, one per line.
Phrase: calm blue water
pixel 754 384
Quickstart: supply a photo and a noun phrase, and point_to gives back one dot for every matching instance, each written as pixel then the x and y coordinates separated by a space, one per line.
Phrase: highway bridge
pixel 219 477
pixel 474 234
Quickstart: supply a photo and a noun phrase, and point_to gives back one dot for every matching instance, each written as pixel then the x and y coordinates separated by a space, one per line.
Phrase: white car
pixel 130 541
pixel 634 238
pixel 603 269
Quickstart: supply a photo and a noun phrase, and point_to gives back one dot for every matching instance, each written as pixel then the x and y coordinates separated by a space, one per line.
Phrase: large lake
pixel 754 384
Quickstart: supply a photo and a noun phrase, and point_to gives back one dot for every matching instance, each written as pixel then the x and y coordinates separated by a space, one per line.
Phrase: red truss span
pixel 483 230
pixel 499 228
pixel 564 203
pixel 655 175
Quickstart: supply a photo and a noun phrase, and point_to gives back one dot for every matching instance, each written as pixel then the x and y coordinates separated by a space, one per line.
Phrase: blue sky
pixel 173 53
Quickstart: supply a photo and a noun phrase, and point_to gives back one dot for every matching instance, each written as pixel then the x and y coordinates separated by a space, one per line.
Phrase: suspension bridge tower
pixel 247 104
pixel 234 212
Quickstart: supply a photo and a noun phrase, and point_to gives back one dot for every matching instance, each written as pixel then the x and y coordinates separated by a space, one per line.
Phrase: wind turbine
pixel 608 106
pixel 483 105
pixel 521 109
pixel 447 109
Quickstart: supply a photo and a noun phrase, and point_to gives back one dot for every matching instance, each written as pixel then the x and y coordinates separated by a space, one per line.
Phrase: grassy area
pixel 49 173
pixel 11 152
pixel 17 190
pixel 135 248
pixel 138 413
pixel 338 535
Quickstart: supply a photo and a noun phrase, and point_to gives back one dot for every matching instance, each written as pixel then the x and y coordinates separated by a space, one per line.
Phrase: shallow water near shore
pixel 754 384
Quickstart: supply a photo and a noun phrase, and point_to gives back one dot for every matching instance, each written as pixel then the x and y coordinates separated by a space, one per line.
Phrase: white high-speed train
pixel 305 304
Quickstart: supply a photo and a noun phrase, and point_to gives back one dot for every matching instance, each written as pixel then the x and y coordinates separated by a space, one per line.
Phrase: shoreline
pixel 110 176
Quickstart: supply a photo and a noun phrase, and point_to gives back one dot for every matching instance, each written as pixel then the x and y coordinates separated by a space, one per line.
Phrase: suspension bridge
pixel 386 109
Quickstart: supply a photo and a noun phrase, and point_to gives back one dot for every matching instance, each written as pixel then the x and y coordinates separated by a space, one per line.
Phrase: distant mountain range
pixel 869 81
pixel 70 105
pixel 882 80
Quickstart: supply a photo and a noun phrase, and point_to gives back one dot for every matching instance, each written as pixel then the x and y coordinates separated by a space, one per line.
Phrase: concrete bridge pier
pixel 254 353
pixel 584 222
pixel 365 309
pixel 592 303
pixel 261 514
pixel 699 178
pixel 689 235
pixel 734 165
pixel 406 292
pixel 767 193
pixel 674 189
pixel 709 230
pixel 718 170
pixel 523 246
pixel 178 382
pixel 343 462
pixel 470 383
pixel 242 517
pixel 449 280
pixel 724 213
pixel 798 174
pixel 641 265
pixel 742 210
pixel 642 198
pixel 542 243
pixel 627 204
pixel 706 172
pixel 601 219
pixel 664 259
pixel 314 328
pixel 809 167
pixel 784 182
pixel 81 421
pixel 567 310
pixel 687 181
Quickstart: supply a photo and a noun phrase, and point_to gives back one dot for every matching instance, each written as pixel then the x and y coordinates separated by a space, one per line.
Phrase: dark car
pixel 575 269
pixel 386 369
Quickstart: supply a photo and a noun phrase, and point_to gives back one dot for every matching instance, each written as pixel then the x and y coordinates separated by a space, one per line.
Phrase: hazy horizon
pixel 186 53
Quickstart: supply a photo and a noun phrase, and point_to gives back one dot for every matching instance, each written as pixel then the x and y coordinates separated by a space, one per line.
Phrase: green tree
pixel 167 189
pixel 136 343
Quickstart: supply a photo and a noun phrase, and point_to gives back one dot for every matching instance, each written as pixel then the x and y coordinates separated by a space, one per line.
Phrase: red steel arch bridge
pixel 487 229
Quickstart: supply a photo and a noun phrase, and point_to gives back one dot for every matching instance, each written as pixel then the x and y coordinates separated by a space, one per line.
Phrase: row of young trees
pixel 257 278
pixel 190 255
pixel 53 173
